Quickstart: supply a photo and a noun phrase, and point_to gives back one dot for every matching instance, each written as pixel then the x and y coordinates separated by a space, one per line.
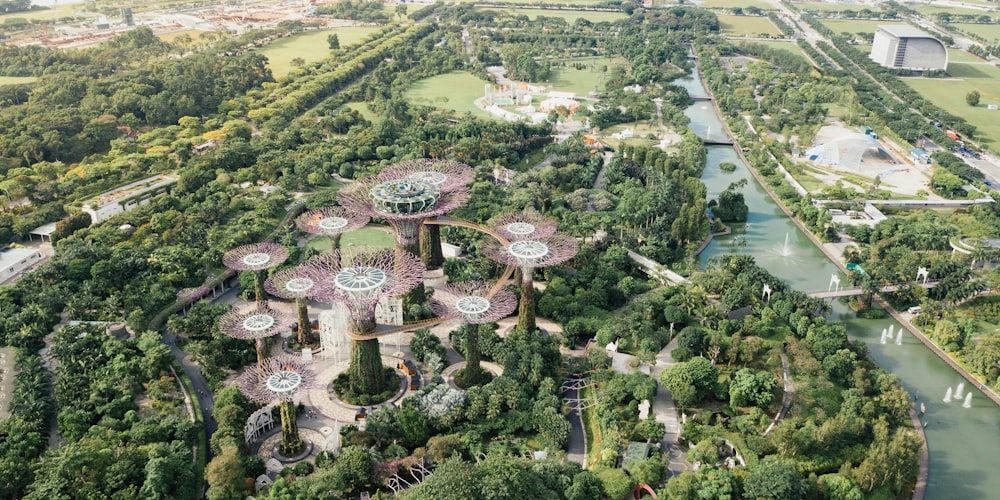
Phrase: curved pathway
pixel 786 398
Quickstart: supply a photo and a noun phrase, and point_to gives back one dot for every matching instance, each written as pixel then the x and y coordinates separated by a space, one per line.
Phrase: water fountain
pixel 947 395
pixel 899 337
pixel 785 250
pixel 923 409
pixel 968 400
pixel 882 341
pixel 959 389
pixel 890 330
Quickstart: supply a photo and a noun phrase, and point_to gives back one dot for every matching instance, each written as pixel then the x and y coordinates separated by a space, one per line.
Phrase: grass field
pixel 12 80
pixel 746 25
pixel 728 4
pixel 950 95
pixel 364 109
pixel 960 56
pixel 569 15
pixel 56 12
pixel 835 7
pixel 931 10
pixel 456 91
pixel 364 237
pixel 174 35
pixel 987 31
pixel 786 46
pixel 310 46
pixel 853 25
pixel 582 3
pixel 583 81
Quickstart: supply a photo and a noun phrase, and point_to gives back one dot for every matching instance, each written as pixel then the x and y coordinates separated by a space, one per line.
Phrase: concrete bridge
pixel 656 270
pixel 852 291
pixel 717 142
pixel 700 97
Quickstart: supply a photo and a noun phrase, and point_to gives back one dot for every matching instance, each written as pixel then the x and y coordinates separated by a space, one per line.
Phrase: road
pixel 577 451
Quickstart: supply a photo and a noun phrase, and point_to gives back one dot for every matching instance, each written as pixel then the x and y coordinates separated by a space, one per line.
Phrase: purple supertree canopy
pixel 276 379
pixel 256 321
pixel 469 301
pixel 543 252
pixel 331 221
pixel 255 256
pixel 291 283
pixel 447 175
pixel 401 200
pixel 517 226
pixel 360 279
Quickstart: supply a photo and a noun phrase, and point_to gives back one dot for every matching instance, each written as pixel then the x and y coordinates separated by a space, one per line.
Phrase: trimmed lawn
pixel 961 56
pixel 365 237
pixel 13 80
pixel 364 109
pixel 310 46
pixel 569 15
pixel 174 35
pixel 854 25
pixel 54 12
pixel 987 31
pixel 746 25
pixel 786 46
pixel 728 4
pixel 931 10
pixel 456 91
pixel 834 7
pixel 582 81
pixel 950 95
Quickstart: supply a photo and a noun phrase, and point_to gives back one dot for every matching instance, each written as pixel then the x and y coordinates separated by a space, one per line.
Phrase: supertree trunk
pixel 526 310
pixel 291 443
pixel 259 286
pixel 430 246
pixel 365 374
pixel 473 370
pixel 407 241
pixel 305 328
pixel 261 345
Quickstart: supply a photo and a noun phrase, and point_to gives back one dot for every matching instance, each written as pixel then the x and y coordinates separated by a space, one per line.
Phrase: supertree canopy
pixel 404 204
pixel 332 222
pixel 447 176
pixel 256 257
pixel 472 303
pixel 257 322
pixel 360 281
pixel 282 381
pixel 294 283
pixel 528 255
pixel 517 226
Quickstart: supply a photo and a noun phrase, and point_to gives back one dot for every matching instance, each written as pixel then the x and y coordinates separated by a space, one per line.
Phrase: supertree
pixel 447 176
pixel 294 283
pixel 256 257
pixel 517 226
pixel 404 204
pixel 280 380
pixel 257 322
pixel 528 255
pixel 472 302
pixel 332 222
pixel 360 281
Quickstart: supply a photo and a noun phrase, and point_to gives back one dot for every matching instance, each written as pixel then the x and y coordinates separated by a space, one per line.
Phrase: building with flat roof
pixel 906 47
pixel 13 261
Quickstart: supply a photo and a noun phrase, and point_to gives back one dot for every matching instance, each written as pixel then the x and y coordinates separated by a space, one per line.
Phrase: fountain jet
pixel 899 337
pixel 947 395
pixel 968 400
pixel 959 389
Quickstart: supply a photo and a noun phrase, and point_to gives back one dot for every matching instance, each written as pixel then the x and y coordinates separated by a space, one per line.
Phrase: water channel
pixel 964 443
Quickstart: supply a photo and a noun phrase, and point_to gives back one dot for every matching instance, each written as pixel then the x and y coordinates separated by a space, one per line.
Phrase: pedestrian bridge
pixel 852 291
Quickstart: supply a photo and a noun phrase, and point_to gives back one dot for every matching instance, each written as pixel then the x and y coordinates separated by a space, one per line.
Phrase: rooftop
pixel 904 31
pixel 10 256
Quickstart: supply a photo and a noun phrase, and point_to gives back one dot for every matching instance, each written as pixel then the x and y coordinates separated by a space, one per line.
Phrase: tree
pixel 752 387
pixel 585 487
pixel 691 381
pixel 774 479
pixel 972 98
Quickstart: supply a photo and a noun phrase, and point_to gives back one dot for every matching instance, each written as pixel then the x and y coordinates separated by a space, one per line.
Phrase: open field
pixel 746 25
pixel 950 95
pixel 12 80
pixel 582 81
pixel 56 12
pixel 456 91
pixel 853 25
pixel 581 3
pixel 364 109
pixel 174 35
pixel 931 10
pixel 989 32
pixel 835 7
pixel 569 15
pixel 728 4
pixel 365 237
pixel 786 46
pixel 961 56
pixel 310 45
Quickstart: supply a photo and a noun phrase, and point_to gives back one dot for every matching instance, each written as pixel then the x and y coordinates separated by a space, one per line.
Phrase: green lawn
pixel 832 7
pixel 728 4
pixel 55 12
pixel 365 237
pixel 364 109
pixel 786 46
pixel 931 10
pixel 746 25
pixel 854 25
pixel 950 95
pixel 960 56
pixel 987 31
pixel 585 80
pixel 12 80
pixel 174 35
pixel 569 15
pixel 310 46
pixel 456 91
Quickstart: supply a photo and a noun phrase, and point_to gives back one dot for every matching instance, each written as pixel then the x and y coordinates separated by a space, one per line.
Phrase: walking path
pixel 786 398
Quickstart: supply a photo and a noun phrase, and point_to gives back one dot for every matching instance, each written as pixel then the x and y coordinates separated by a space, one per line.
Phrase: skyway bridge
pixel 852 291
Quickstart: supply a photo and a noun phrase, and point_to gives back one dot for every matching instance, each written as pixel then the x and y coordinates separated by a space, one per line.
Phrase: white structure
pixel 845 152
pixel 15 260
pixel 333 325
pixel 127 197
pixel 906 47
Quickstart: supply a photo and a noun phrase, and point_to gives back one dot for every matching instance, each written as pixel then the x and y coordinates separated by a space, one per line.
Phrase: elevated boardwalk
pixel 656 270
pixel 717 142
pixel 700 97
pixel 850 292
